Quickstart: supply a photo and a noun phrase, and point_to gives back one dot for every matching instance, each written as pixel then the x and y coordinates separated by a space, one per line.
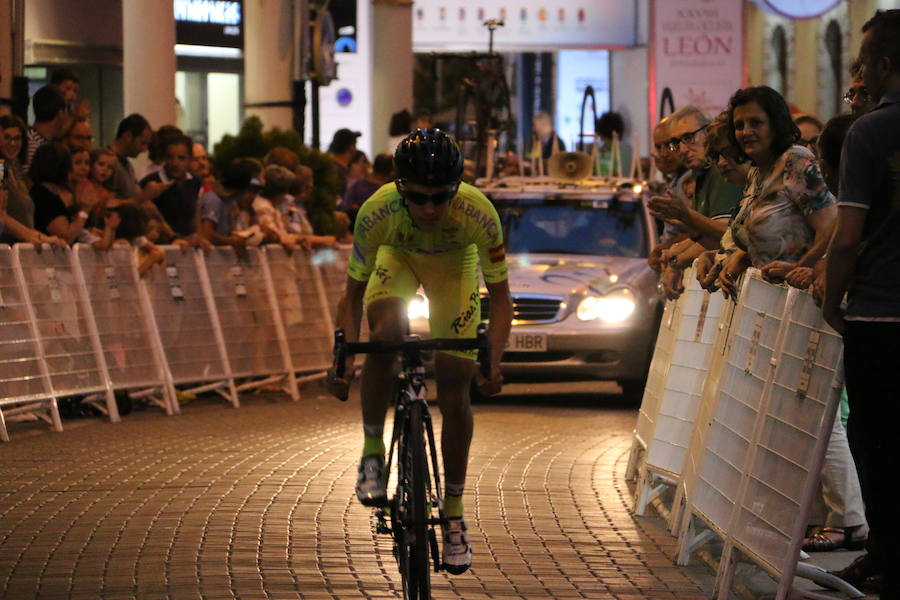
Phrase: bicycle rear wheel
pixel 417 579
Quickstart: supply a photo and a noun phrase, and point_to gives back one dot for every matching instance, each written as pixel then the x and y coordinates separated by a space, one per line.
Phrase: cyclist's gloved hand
pixel 489 387
pixel 339 387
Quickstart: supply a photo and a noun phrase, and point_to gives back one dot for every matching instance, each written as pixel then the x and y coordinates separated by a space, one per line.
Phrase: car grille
pixel 529 309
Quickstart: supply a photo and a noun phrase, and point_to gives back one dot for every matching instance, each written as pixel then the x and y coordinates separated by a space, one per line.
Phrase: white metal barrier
pixel 333 266
pixel 653 390
pixel 83 323
pixel 249 318
pixel 762 417
pixel 66 327
pixel 188 324
pixel 24 380
pixel 126 326
pixel 305 308
pixel 685 348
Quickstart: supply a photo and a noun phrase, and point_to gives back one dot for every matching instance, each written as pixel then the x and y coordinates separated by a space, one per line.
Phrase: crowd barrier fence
pixel 681 360
pixel 737 421
pixel 83 323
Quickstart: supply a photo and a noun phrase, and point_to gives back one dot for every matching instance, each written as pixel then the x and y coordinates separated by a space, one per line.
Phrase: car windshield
pixel 607 229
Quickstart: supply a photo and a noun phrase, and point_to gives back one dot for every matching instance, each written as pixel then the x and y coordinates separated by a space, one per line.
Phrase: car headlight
pixel 614 307
pixel 417 308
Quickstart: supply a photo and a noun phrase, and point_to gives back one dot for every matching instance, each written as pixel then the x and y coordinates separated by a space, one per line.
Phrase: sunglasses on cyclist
pixel 423 198
pixel 686 138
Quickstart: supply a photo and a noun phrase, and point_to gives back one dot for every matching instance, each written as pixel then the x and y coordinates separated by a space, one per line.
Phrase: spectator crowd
pixel 815 206
pixel 59 188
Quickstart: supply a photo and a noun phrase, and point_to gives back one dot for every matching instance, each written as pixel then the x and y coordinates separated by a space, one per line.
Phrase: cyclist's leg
pixel 391 282
pixel 453 375
pixel 386 323
pixel 451 282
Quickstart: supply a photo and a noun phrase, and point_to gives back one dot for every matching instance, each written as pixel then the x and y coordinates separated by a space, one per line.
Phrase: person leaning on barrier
pixel 734 167
pixel 130 225
pixel 13 231
pixel 706 215
pixel 864 262
pixel 279 182
pixel 18 209
pixel 787 213
pixel 236 185
pixel 178 201
pixel 56 211
pixel 671 166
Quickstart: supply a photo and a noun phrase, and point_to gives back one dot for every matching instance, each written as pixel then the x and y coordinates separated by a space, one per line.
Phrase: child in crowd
pixel 131 223
pixel 102 166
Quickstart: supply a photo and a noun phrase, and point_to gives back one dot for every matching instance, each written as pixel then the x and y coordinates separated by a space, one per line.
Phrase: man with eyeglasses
pixel 672 168
pixel 857 97
pixel 704 213
pixel 426 228
pixel 80 135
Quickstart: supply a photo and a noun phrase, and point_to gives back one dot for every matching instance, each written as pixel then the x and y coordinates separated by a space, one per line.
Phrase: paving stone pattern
pixel 258 502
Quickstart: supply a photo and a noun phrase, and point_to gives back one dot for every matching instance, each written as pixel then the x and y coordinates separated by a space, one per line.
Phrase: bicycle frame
pixel 409 518
pixel 418 483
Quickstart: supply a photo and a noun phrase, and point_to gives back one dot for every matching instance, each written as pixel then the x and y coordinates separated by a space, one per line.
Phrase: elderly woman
pixel 723 152
pixel 787 212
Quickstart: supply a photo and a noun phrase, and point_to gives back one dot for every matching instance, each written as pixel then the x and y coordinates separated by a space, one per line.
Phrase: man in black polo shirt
pixel 178 202
pixel 864 262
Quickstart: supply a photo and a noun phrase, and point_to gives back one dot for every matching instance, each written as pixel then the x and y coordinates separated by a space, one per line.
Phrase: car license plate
pixel 527 342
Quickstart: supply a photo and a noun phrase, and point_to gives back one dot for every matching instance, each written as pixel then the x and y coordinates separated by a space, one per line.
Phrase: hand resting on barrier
pixel 736 263
pixel 777 270
pixel 707 269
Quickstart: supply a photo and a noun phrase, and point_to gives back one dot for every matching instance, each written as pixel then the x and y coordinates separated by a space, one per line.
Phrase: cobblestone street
pixel 258 503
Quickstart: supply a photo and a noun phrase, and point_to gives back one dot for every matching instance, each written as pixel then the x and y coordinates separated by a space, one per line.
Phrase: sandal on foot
pixel 825 539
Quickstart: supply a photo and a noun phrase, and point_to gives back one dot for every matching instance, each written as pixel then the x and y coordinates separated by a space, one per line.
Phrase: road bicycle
pixel 416 507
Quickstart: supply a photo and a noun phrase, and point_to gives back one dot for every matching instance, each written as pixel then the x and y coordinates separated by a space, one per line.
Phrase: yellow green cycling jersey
pixel 469 220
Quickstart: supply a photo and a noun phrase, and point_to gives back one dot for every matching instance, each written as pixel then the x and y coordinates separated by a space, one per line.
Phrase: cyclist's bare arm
pixel 499 324
pixel 348 318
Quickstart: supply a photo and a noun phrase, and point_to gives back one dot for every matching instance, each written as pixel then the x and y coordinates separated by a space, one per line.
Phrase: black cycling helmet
pixel 428 157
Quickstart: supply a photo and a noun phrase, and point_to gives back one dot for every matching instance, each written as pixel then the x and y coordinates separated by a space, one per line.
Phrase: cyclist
pixel 425 228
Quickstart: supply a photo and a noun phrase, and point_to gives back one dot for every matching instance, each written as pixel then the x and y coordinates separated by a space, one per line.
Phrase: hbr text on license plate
pixel 527 342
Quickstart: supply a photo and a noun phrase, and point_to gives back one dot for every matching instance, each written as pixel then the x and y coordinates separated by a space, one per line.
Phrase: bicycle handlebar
pixel 343 348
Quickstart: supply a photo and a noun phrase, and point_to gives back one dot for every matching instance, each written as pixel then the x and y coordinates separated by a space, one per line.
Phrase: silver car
pixel 585 300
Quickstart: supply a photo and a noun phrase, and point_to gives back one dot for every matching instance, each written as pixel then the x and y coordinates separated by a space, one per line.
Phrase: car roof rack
pixel 543 186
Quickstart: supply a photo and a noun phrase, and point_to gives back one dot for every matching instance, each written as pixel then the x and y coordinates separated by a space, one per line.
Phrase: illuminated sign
pixel 798 9
pixel 209 23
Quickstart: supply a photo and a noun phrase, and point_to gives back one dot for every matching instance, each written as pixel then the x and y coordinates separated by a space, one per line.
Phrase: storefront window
pixel 209 105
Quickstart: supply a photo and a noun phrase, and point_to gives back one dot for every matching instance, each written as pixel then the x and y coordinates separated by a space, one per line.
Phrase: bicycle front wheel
pixel 419 508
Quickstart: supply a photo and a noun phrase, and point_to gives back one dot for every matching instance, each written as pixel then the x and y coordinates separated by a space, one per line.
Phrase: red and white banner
pixel 696 55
